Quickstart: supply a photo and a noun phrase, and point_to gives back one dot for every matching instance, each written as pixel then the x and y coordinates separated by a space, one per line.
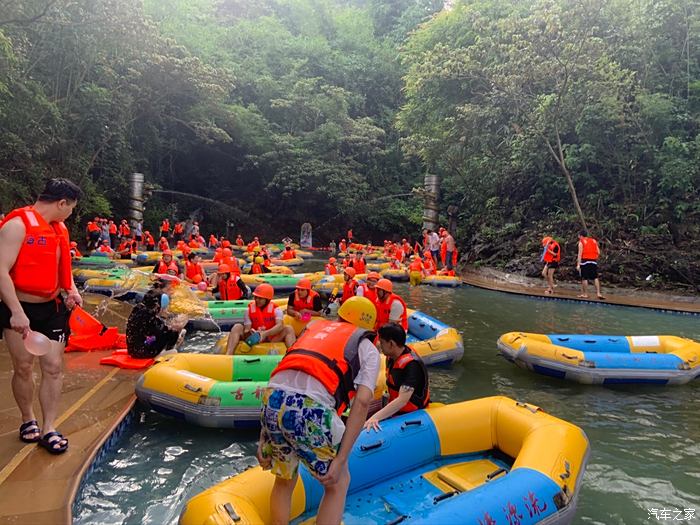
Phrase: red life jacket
pixel 384 309
pixel 331 269
pixel 229 289
pixel 348 290
pixel 193 269
pixel 193 244
pixel 150 241
pixel 179 228
pixel 256 268
pixel 124 230
pixel 394 371
pixel 329 352
pixel 304 304
pixel 415 266
pixel 369 293
pixel 359 265
pixel 163 266
pixel 104 249
pixel 264 318
pixel 163 245
pixel 552 252
pixel 239 242
pixel 37 269
pixel 590 251
pixel 165 226
pixel 112 229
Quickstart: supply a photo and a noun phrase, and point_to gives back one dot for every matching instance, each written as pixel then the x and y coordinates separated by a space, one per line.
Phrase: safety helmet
pixel 350 271
pixel 163 239
pixel 146 232
pixel 373 275
pixel 264 291
pixel 226 243
pixel 304 284
pixel 167 252
pixel 545 240
pixel 173 268
pixel 359 311
pixel 426 253
pixel 386 285
pixel 73 244
pixel 105 241
pixel 332 260
pixel 258 260
pixel 218 250
pixel 224 268
pixel 256 249
pixel 226 252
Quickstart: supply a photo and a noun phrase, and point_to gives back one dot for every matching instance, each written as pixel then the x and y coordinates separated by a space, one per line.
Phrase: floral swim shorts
pixel 296 427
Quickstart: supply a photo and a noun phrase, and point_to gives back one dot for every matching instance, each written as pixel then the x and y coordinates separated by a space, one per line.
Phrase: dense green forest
pixel 537 117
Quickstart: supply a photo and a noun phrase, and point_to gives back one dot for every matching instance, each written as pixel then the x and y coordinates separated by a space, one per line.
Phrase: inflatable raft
pixel 222 315
pixel 433 340
pixel 605 359
pixel 219 391
pixel 486 461
pixel 442 281
pixel 400 275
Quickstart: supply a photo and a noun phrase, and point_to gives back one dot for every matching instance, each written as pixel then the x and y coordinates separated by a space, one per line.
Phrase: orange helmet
pixel 386 285
pixel 227 252
pixel 373 275
pixel 73 244
pixel 264 291
pixel 226 243
pixel 350 271
pixel 426 253
pixel 304 284
pixel 332 260
pixel 224 268
pixel 168 252
pixel 218 250
pixel 545 240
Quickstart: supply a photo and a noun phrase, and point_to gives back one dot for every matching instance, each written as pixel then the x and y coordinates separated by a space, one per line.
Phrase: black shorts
pixel 589 271
pixel 49 318
pixel 553 265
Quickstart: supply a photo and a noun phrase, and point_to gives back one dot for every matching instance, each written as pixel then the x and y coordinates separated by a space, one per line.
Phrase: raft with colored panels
pixel 81 275
pixel 605 359
pixel 94 261
pixel 434 341
pixel 224 314
pixel 294 261
pixel 444 281
pixel 395 275
pixel 486 461
pixel 217 391
pixel 326 284
pixel 377 266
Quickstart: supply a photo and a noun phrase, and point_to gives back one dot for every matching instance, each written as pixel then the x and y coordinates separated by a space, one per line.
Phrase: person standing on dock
pixel 587 263
pixel 35 267
pixel 551 255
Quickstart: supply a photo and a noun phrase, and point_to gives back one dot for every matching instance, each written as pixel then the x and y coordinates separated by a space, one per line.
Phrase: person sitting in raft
pixel 551 255
pixel 163 245
pixel 429 264
pixel 105 248
pixel 194 269
pixel 302 404
pixel 228 285
pixel 74 252
pixel 263 318
pixel 368 289
pixel 126 248
pixel 331 268
pixel 239 241
pixel 304 303
pixel 350 285
pixel 258 266
pixel 288 254
pixel 165 263
pixel 342 246
pixel 415 271
pixel 391 308
pixel 193 243
pixel 406 376
pixel 148 241
pixel 147 334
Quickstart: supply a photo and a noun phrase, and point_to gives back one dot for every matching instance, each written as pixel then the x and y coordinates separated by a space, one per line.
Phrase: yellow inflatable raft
pixel 472 462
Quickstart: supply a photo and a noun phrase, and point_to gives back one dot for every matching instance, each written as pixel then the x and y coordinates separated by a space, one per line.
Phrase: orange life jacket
pixel 232 263
pixel 342 247
pixel 590 251
pixel 288 254
pixel 179 228
pixel 193 269
pixel 229 289
pixel 384 309
pixel 443 252
pixel 104 248
pixel 256 268
pixel 37 269
pixel 359 265
pixel 331 269
pixel 429 266
pixel 165 226
pixel 415 266
pixel 149 240
pixel 329 352
pixel 264 318
pixel 112 229
pixel 394 371
pixel 193 244
pixel 124 230
pixel 163 266
pixel 369 293
pixel 239 242
pixel 304 304
pixel 348 290
pixel 163 245
pixel 213 241
pixel 75 252
pixel 552 252
pixel 91 227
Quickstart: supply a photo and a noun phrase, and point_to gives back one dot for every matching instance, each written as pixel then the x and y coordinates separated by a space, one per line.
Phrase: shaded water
pixel 644 439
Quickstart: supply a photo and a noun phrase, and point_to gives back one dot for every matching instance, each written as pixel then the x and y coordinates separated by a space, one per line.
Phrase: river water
pixel 645 450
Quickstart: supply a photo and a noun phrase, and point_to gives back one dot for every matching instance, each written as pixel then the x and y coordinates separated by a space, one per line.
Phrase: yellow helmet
pixel 259 260
pixel 359 311
pixel 256 249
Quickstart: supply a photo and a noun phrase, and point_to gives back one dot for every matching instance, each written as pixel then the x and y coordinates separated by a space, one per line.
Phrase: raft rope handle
pixel 532 408
pixel 496 472
pixel 567 471
pixel 192 388
pixel 411 422
pixel 231 513
pixel 566 356
pixel 252 360
pixel 438 499
pixel 397 520
pixel 365 448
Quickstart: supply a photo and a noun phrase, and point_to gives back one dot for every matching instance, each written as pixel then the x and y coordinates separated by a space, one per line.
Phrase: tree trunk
pixel 431 212
pixel 561 161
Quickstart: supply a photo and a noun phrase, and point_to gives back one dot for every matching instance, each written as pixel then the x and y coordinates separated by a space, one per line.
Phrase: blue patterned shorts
pixel 295 427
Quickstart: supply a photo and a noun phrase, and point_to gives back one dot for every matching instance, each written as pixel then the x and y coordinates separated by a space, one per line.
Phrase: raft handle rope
pixel 567 469
pixel 438 499
pixel 252 360
pixel 532 408
pixel 192 388
pixel 231 513
pixel 495 473
pixel 411 422
pixel 398 520
pixel 365 448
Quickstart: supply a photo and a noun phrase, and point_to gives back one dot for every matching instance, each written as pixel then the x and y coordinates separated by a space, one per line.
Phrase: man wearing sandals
pixel 35 268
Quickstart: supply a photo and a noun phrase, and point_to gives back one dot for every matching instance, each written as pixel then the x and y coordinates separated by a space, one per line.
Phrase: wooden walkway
pixel 516 284
pixel 36 487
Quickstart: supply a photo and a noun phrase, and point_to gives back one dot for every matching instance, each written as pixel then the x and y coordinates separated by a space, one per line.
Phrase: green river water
pixel 645 450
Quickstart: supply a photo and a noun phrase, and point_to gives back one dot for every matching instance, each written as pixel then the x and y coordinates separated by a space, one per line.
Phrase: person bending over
pixel 147 334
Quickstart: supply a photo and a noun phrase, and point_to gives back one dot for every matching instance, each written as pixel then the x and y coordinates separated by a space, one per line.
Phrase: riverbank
pixel 493 279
